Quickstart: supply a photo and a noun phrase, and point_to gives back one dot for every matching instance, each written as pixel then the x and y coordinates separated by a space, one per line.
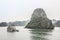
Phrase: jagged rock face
pixel 38 13
pixel 39 20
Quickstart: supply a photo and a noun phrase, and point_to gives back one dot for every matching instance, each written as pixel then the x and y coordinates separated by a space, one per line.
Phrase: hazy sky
pixel 15 10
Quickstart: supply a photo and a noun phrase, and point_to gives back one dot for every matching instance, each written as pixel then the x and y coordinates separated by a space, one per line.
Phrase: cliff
pixel 39 20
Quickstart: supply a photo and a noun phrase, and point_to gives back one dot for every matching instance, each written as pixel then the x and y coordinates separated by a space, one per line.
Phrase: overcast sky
pixel 16 10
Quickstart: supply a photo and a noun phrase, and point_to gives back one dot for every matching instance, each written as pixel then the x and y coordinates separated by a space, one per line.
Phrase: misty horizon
pixel 17 10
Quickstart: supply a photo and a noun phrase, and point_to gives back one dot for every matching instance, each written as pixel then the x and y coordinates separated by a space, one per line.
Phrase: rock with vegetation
pixel 39 20
pixel 11 29
pixel 2 24
pixel 18 23
pixel 57 23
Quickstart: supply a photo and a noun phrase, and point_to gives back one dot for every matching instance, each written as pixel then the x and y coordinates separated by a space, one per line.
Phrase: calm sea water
pixel 30 34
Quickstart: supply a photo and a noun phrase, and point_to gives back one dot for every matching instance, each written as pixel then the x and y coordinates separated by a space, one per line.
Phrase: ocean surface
pixel 30 34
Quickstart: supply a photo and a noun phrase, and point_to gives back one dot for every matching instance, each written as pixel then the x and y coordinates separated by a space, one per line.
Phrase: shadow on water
pixel 40 34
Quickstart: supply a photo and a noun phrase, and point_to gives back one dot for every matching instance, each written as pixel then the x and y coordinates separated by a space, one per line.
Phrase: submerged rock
pixel 11 29
pixel 39 20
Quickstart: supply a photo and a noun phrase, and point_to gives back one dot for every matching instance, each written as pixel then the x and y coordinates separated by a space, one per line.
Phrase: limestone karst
pixel 40 20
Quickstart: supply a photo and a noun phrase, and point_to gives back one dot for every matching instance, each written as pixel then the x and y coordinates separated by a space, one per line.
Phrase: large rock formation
pixel 39 20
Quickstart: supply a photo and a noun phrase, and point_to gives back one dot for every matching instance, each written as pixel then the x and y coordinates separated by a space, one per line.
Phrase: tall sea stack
pixel 39 20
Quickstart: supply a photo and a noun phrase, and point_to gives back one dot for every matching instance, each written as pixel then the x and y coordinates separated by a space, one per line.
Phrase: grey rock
pixel 57 23
pixel 12 29
pixel 18 23
pixel 39 20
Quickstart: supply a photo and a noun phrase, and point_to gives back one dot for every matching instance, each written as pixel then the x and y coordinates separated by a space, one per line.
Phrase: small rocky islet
pixel 12 29
pixel 39 20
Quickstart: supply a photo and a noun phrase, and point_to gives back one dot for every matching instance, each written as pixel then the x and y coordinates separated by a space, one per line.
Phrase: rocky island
pixel 11 29
pixel 56 23
pixel 39 20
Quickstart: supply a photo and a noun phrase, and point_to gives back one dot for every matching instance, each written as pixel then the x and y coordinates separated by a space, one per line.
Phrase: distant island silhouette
pixel 15 23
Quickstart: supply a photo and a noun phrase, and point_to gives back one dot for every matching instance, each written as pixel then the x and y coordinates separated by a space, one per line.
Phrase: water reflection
pixel 40 34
